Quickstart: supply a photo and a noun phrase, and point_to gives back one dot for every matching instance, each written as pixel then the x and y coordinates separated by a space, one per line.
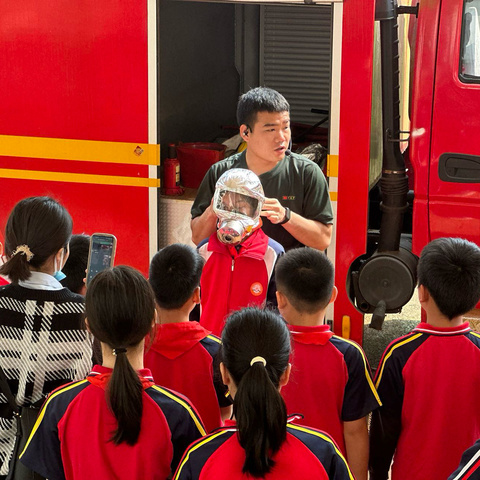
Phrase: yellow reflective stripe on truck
pixel 79 178
pixel 80 150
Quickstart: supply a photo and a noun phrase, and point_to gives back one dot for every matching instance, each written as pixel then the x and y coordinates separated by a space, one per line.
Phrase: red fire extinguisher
pixel 171 173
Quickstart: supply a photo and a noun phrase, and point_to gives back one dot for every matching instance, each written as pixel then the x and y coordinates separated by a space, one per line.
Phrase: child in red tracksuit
pixel 240 258
pixel 116 423
pixel 261 441
pixel 429 379
pixel 182 354
pixel 330 383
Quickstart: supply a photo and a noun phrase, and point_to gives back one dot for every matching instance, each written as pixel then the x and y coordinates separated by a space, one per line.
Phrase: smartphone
pixel 101 254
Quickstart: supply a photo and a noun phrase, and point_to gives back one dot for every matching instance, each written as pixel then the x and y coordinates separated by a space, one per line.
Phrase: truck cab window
pixel 470 46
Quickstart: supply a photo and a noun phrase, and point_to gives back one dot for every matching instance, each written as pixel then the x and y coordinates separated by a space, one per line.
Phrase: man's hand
pixel 309 232
pixel 273 210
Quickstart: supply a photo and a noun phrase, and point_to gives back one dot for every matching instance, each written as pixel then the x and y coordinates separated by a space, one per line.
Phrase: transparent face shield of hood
pixel 237 202
pixel 233 204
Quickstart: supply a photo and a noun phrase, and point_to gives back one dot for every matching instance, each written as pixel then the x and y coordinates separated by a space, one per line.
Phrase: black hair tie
pixel 116 351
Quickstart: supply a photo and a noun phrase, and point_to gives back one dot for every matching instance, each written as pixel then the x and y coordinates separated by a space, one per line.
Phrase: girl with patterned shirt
pixel 43 342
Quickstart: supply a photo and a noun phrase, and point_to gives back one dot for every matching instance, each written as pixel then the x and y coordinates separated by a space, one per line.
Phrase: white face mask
pixel 58 274
pixel 237 202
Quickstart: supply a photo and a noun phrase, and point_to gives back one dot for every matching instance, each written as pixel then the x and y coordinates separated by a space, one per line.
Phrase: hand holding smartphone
pixel 101 254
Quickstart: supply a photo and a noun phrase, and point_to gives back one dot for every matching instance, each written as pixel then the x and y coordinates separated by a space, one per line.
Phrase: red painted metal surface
pixel 444 120
pixel 454 208
pixel 78 70
pixel 354 148
pixel 421 117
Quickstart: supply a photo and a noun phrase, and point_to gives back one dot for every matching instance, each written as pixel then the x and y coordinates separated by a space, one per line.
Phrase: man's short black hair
pixel 305 276
pixel 449 268
pixel 260 99
pixel 76 263
pixel 175 274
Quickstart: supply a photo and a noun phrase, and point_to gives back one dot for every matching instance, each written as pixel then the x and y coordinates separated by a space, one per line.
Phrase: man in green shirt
pixel 297 210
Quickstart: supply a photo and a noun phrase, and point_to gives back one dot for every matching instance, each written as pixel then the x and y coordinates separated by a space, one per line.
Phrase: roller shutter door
pixel 295 47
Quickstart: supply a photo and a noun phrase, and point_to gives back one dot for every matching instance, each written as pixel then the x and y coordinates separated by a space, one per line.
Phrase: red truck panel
pixel 454 205
pixel 78 70
pixel 354 150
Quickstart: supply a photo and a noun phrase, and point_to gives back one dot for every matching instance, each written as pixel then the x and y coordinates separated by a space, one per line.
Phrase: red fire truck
pixel 89 90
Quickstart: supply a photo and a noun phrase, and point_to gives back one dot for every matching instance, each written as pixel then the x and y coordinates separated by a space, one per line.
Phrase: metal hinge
pixel 408 10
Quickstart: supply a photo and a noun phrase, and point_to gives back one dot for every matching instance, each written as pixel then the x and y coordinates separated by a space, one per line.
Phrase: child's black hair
pixel 120 309
pixel 306 277
pixel 449 268
pixel 258 407
pixel 175 273
pixel 76 264
pixel 39 223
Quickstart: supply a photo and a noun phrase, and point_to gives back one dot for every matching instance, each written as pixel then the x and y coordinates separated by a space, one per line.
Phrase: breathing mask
pixel 237 202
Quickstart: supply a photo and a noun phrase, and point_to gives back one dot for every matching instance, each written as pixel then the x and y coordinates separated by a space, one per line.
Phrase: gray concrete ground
pixel 398 324
pixel 395 325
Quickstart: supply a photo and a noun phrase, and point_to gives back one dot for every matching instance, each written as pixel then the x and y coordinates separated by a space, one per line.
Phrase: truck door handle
pixel 459 168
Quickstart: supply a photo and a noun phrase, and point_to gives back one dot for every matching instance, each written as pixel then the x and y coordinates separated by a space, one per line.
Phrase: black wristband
pixel 286 218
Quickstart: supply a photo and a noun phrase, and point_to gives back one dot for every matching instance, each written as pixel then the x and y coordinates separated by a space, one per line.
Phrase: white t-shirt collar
pixel 41 281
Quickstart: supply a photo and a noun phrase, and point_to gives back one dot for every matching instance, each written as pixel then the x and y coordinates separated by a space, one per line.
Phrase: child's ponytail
pixel 124 395
pixel 120 310
pixel 261 419
pixel 16 268
pixel 255 352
